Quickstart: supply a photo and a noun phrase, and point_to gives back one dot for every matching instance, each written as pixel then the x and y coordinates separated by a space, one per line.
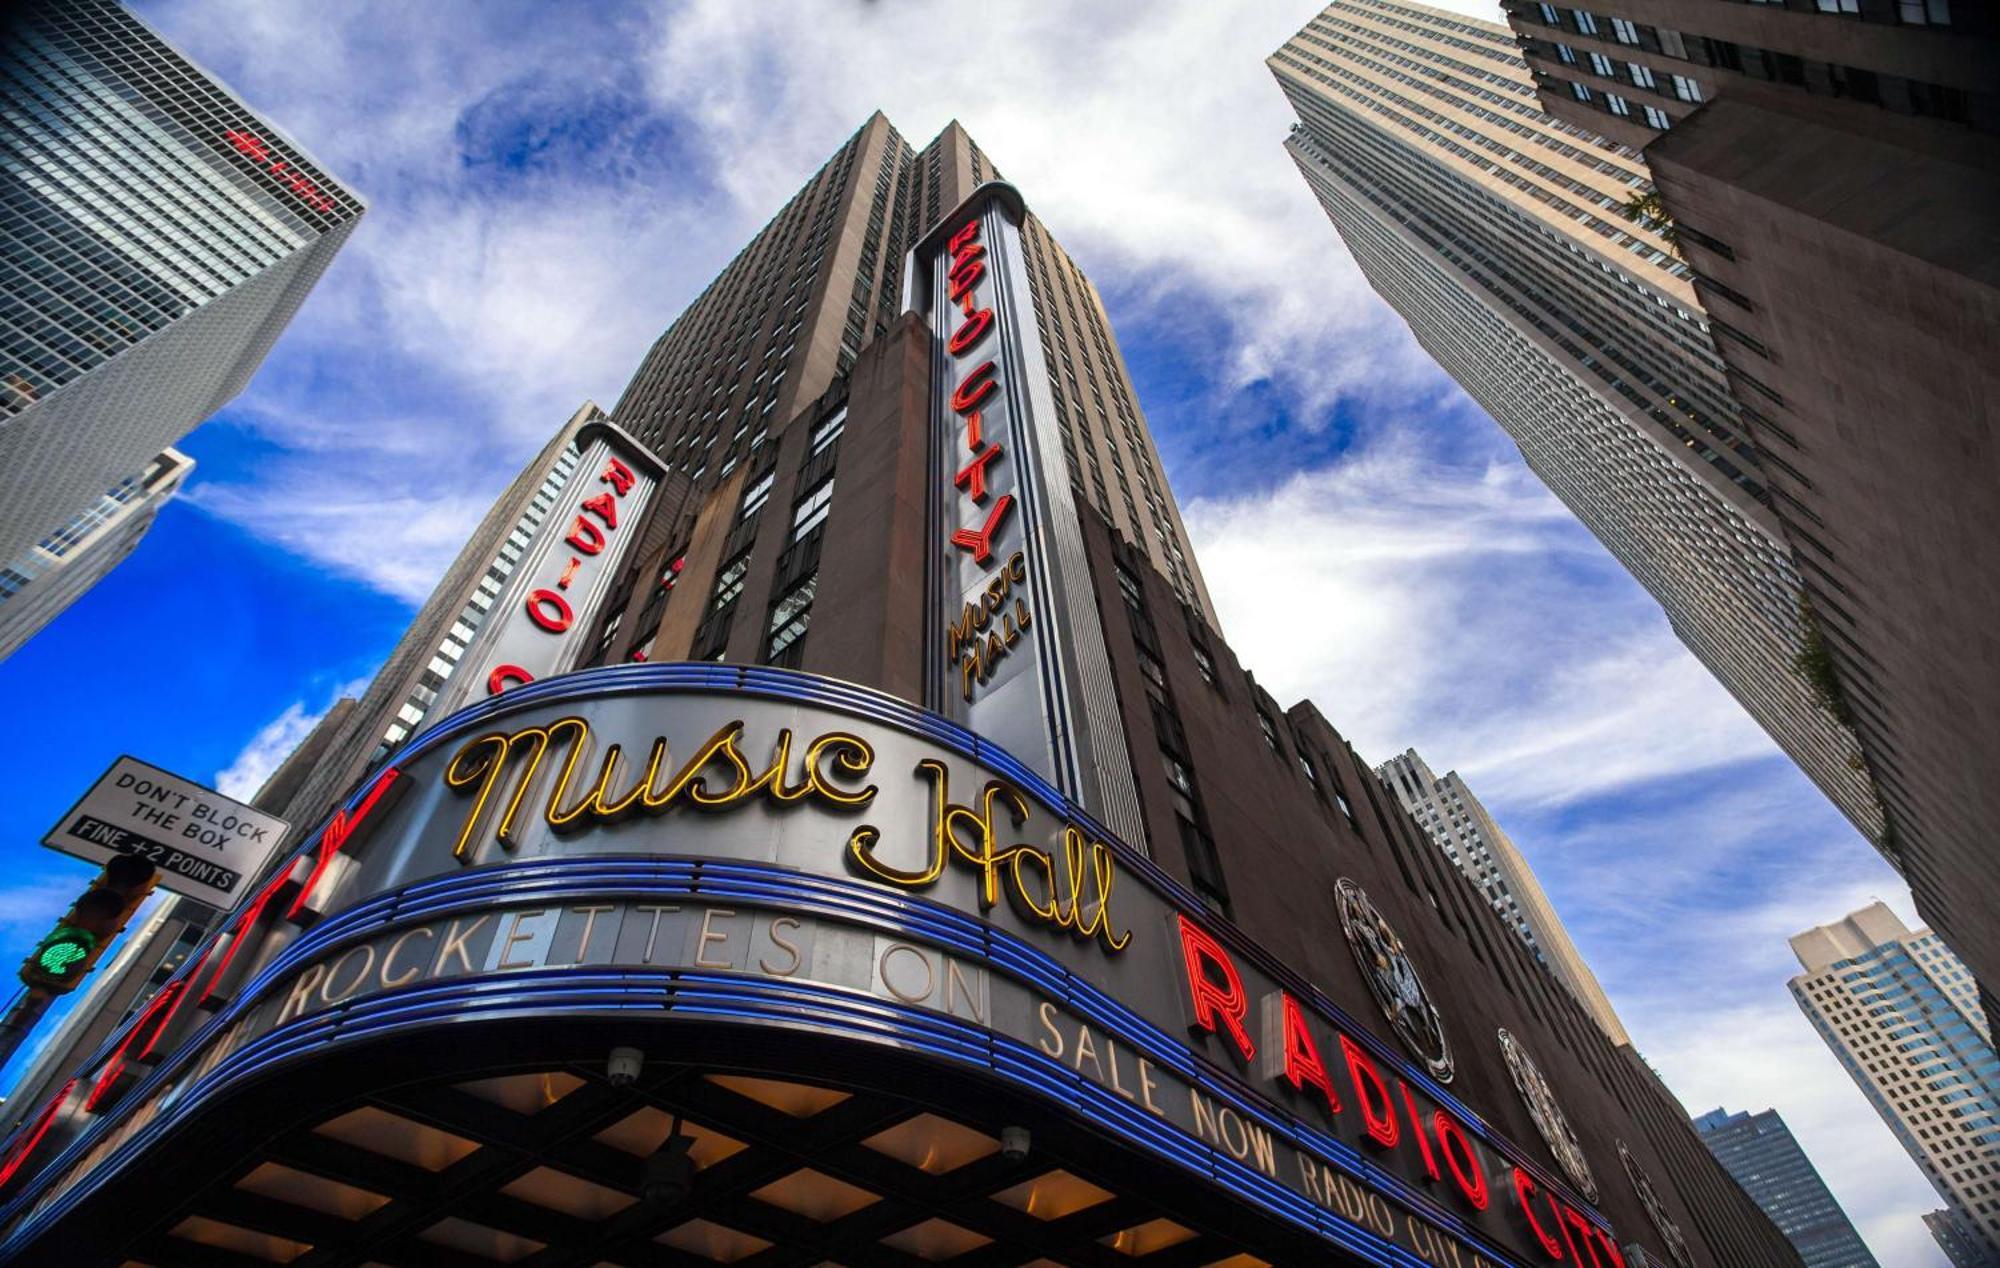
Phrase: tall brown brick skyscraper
pixel 796 306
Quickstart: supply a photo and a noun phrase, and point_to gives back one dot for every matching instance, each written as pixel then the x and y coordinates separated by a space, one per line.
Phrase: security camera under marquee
pixel 1670 1232
pixel 1549 1120
pixel 1393 979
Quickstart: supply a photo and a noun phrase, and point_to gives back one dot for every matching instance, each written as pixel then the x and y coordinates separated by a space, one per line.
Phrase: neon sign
pixel 1069 890
pixel 992 624
pixel 1390 1116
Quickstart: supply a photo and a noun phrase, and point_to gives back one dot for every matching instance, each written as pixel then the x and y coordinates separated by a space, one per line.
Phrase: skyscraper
pixel 1460 825
pixel 158 235
pixel 886 870
pixel 824 277
pixel 1497 231
pixel 1903 1016
pixel 36 587
pixel 1759 1150
pixel 1831 171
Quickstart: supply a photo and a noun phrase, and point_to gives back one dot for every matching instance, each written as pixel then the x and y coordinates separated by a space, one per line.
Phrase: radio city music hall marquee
pixel 1068 947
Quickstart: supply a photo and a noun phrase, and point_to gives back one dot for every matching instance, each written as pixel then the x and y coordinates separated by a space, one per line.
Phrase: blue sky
pixel 546 193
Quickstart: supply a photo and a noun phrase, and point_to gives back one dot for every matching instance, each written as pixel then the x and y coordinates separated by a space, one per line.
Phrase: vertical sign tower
pixel 1017 650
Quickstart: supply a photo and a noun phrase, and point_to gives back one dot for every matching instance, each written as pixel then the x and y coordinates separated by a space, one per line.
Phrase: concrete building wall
pixel 39 586
pixel 1580 336
pixel 1831 177
pixel 1460 825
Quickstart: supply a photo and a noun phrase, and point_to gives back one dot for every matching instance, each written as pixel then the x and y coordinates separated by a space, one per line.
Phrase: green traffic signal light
pixel 64 949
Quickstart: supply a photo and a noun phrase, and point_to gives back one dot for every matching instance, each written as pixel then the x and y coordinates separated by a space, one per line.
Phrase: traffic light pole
pixel 59 963
pixel 21 1020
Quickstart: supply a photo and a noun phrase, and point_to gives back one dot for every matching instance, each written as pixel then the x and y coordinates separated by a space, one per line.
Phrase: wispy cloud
pixel 273 743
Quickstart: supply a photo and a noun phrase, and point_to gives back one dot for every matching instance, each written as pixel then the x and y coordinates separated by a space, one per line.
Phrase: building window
pixel 1641 75
pixel 1686 89
pixel 1566 54
pixel 1204 866
pixel 1205 663
pixel 1128 585
pixel 1617 105
pixel 1921 12
pixel 809 512
pixel 1658 118
pixel 829 431
pixel 1623 31
pixel 755 496
pixel 1579 91
pixel 790 616
pixel 1548 12
pixel 1270 731
pixel 1602 65
pixel 729 583
pixel 1586 22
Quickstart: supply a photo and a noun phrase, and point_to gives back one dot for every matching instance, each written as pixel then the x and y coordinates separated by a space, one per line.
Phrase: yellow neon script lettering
pixel 833 763
pixel 968 835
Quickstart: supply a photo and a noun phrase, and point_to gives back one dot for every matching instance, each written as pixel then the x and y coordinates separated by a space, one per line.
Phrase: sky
pixel 545 194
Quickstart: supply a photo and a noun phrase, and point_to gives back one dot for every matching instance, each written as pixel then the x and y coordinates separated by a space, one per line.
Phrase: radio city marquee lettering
pixel 1072 892
pixel 993 620
pixel 1289 1052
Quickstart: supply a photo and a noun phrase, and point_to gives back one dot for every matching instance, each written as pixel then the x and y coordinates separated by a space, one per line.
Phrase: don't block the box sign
pixel 206 846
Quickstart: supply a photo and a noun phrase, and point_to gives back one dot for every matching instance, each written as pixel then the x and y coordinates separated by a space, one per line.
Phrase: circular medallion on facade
pixel 1548 1115
pixel 1656 1211
pixel 1393 979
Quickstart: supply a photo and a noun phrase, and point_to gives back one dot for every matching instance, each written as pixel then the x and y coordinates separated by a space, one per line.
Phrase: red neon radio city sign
pixel 548 607
pixel 1395 1120
pixel 968 268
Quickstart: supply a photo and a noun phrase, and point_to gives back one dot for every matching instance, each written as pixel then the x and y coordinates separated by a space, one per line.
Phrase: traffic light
pixel 62 959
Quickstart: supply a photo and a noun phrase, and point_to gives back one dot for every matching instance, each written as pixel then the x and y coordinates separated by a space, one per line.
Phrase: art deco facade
pixel 1831 172
pixel 157 235
pixel 824 277
pixel 39 585
pixel 1760 1151
pixel 1460 826
pixel 1903 1015
pixel 779 956
pixel 1497 232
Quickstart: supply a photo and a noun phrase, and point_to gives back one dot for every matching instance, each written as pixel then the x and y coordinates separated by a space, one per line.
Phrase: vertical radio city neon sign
pixel 990 625
pixel 541 618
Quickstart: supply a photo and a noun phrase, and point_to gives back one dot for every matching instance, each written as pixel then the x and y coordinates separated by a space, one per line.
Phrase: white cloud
pixel 1461 609
pixel 476 306
pixel 273 743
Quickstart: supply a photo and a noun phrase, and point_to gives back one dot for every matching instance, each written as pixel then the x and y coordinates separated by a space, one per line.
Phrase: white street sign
pixel 206 846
